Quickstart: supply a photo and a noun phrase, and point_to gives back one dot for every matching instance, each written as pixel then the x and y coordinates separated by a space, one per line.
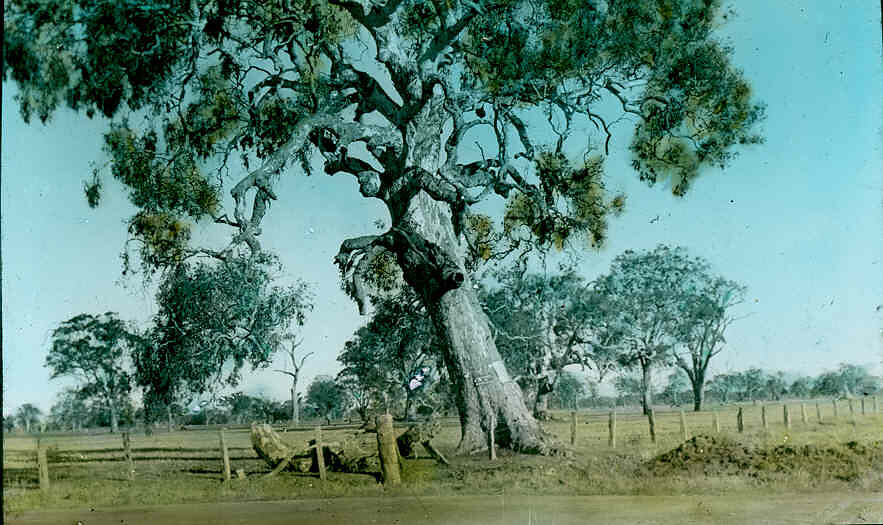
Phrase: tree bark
pixel 114 418
pixel 646 394
pixel 295 417
pixel 169 417
pixel 484 388
pixel 698 394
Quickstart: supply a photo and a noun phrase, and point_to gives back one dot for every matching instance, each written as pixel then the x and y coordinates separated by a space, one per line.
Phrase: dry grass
pixel 184 466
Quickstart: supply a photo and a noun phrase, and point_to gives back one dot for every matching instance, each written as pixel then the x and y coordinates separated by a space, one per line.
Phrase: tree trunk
pixel 646 394
pixel 541 405
pixel 295 419
pixel 698 393
pixel 432 259
pixel 169 417
pixel 114 418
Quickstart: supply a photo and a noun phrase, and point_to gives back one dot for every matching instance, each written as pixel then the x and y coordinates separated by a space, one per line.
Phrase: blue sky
pixel 798 219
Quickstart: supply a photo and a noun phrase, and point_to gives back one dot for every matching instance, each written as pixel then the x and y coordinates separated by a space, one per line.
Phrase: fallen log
pixel 421 433
pixel 357 452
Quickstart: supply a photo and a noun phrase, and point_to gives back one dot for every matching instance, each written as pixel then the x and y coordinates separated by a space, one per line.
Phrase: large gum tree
pixel 267 88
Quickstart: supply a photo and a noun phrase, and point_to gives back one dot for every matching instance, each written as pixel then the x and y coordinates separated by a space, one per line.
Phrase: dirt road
pixel 492 510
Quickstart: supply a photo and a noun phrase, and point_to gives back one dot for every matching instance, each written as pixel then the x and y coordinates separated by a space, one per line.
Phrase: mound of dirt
pixel 717 456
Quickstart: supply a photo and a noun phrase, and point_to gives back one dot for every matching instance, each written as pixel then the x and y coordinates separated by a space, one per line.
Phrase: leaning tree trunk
pixel 432 259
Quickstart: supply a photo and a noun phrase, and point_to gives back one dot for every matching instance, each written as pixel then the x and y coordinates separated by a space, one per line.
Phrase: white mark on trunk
pixel 500 369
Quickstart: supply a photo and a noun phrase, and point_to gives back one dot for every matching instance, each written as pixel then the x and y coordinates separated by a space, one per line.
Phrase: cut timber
pixel 421 433
pixel 356 453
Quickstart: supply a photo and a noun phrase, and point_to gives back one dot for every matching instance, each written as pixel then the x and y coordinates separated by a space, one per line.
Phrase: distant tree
pixel 294 372
pixel 847 380
pixel 629 387
pixel 541 324
pixel 325 398
pixel 775 385
pixel 753 384
pixel 382 356
pixel 243 408
pixel 723 386
pixel 70 412
pixel 28 415
pixel 94 349
pixel 704 314
pixel 642 298
pixel 571 389
pixel 273 87
pixel 8 423
pixel 677 385
pixel 801 387
pixel 213 318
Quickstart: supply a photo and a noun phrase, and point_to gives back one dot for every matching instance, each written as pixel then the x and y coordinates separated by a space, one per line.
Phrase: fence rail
pixel 673 424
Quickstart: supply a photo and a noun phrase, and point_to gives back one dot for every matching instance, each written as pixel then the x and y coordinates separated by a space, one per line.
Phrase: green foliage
pixel 223 77
pixel 92 56
pixel 847 380
pixel 324 398
pixel 381 356
pixel 214 318
pixel 95 349
pixel 569 390
pixel 542 324
pixel 27 416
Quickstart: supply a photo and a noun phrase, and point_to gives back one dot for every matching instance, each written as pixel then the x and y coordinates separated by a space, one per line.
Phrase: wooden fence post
pixel 740 424
pixel 851 412
pixel 611 425
pixel 715 421
pixel 573 427
pixel 834 402
pixel 43 467
pixel 818 411
pixel 786 415
pixel 684 435
pixel 225 456
pixel 127 447
pixel 652 420
pixel 320 449
pixel 763 416
pixel 863 406
pixel 387 448
pixel 803 413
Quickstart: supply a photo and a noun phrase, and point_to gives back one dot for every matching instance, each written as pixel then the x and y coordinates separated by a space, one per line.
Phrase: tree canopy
pixel 229 94
pixel 213 318
pixel 94 349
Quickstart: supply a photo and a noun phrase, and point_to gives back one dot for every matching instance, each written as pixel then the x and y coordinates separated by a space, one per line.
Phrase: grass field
pixel 185 466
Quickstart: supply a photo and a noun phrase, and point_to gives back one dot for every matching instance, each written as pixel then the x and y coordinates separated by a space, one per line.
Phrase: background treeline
pixel 330 399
